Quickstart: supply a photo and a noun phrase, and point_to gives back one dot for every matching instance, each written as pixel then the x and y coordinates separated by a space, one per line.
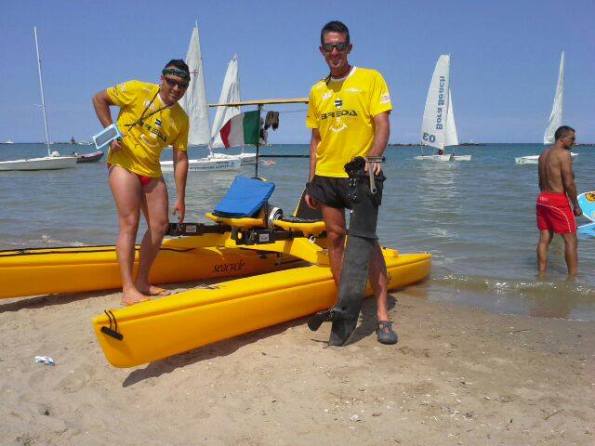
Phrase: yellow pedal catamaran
pixel 157 329
pixel 285 260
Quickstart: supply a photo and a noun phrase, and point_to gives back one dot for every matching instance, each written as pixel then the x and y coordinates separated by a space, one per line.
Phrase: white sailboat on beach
pixel 53 160
pixel 195 104
pixel 555 120
pixel 230 94
pixel 438 125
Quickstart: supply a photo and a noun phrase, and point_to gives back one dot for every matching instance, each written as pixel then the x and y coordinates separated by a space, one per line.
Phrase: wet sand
pixel 458 376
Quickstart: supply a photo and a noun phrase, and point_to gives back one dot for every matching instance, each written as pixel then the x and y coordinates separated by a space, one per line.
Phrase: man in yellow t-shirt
pixel 348 113
pixel 150 119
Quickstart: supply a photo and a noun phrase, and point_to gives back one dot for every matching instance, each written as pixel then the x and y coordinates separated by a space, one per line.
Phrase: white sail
pixel 230 92
pixel 451 137
pixel 435 112
pixel 194 101
pixel 555 120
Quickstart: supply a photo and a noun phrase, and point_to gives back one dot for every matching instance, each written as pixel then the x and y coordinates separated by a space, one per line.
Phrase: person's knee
pixel 129 223
pixel 159 227
pixel 336 238
pixel 570 239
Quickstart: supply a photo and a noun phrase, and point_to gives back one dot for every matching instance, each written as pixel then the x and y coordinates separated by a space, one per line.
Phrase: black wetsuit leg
pixel 356 259
pixel 354 276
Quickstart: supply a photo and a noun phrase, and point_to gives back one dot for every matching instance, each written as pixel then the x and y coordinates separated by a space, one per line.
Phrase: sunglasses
pixel 172 83
pixel 341 46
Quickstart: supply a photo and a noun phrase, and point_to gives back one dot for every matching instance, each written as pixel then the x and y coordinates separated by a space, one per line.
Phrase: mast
pixel 203 82
pixel 447 102
pixel 45 118
pixel 451 137
pixel 445 125
pixel 209 147
pixel 258 143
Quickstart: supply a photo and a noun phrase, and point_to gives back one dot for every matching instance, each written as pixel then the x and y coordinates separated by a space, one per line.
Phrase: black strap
pixel 142 118
pixel 112 330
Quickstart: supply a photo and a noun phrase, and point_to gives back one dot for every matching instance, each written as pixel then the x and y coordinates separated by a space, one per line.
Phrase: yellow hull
pixel 32 272
pixel 168 326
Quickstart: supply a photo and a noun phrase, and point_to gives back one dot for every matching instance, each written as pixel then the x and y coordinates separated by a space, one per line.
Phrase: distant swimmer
pixel 149 119
pixel 557 204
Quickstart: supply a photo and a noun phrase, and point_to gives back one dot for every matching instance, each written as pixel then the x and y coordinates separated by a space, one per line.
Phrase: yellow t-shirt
pixel 142 143
pixel 343 112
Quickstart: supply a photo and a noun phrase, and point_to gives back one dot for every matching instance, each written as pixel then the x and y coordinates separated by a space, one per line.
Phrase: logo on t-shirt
pixel 338 103
pixel 338 114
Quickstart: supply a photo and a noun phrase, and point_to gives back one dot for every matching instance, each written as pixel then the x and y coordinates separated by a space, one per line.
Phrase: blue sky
pixel 505 57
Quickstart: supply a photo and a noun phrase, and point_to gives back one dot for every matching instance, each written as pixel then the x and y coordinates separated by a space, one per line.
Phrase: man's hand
pixel 180 210
pixel 578 211
pixel 311 201
pixel 115 145
pixel 376 167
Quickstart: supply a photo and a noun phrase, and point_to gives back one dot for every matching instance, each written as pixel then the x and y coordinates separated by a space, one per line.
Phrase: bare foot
pixel 153 290
pixel 131 297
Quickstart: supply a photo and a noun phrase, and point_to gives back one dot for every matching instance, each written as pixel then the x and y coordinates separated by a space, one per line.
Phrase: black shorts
pixel 330 191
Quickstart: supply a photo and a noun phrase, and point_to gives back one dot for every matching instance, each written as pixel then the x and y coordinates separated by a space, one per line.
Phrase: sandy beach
pixel 457 376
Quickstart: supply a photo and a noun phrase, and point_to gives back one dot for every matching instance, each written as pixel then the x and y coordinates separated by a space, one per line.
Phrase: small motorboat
pixel 89 157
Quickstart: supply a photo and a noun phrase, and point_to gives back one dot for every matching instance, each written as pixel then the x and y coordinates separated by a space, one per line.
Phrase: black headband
pixel 176 72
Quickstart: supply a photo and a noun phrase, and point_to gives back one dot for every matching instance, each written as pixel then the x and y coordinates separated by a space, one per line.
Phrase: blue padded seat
pixel 245 197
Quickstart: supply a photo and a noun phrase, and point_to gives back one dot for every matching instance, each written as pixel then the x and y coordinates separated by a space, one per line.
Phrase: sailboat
pixel 438 128
pixel 555 120
pixel 53 160
pixel 195 104
pixel 230 93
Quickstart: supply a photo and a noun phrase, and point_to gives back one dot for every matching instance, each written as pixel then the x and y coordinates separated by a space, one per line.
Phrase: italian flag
pixel 241 130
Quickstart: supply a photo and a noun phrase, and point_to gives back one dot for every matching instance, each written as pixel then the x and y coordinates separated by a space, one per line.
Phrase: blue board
pixel 586 231
pixel 245 197
pixel 586 201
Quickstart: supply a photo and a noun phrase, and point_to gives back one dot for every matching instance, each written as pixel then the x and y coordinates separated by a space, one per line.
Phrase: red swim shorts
pixel 554 213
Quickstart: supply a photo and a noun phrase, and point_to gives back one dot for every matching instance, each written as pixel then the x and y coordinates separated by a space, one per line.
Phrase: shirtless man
pixel 553 207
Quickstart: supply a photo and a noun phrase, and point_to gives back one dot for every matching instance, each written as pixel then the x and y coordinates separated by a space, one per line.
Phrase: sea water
pixel 476 218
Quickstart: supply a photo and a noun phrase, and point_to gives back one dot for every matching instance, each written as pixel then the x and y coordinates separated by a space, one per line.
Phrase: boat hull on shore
pixel 157 329
pixel 29 272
